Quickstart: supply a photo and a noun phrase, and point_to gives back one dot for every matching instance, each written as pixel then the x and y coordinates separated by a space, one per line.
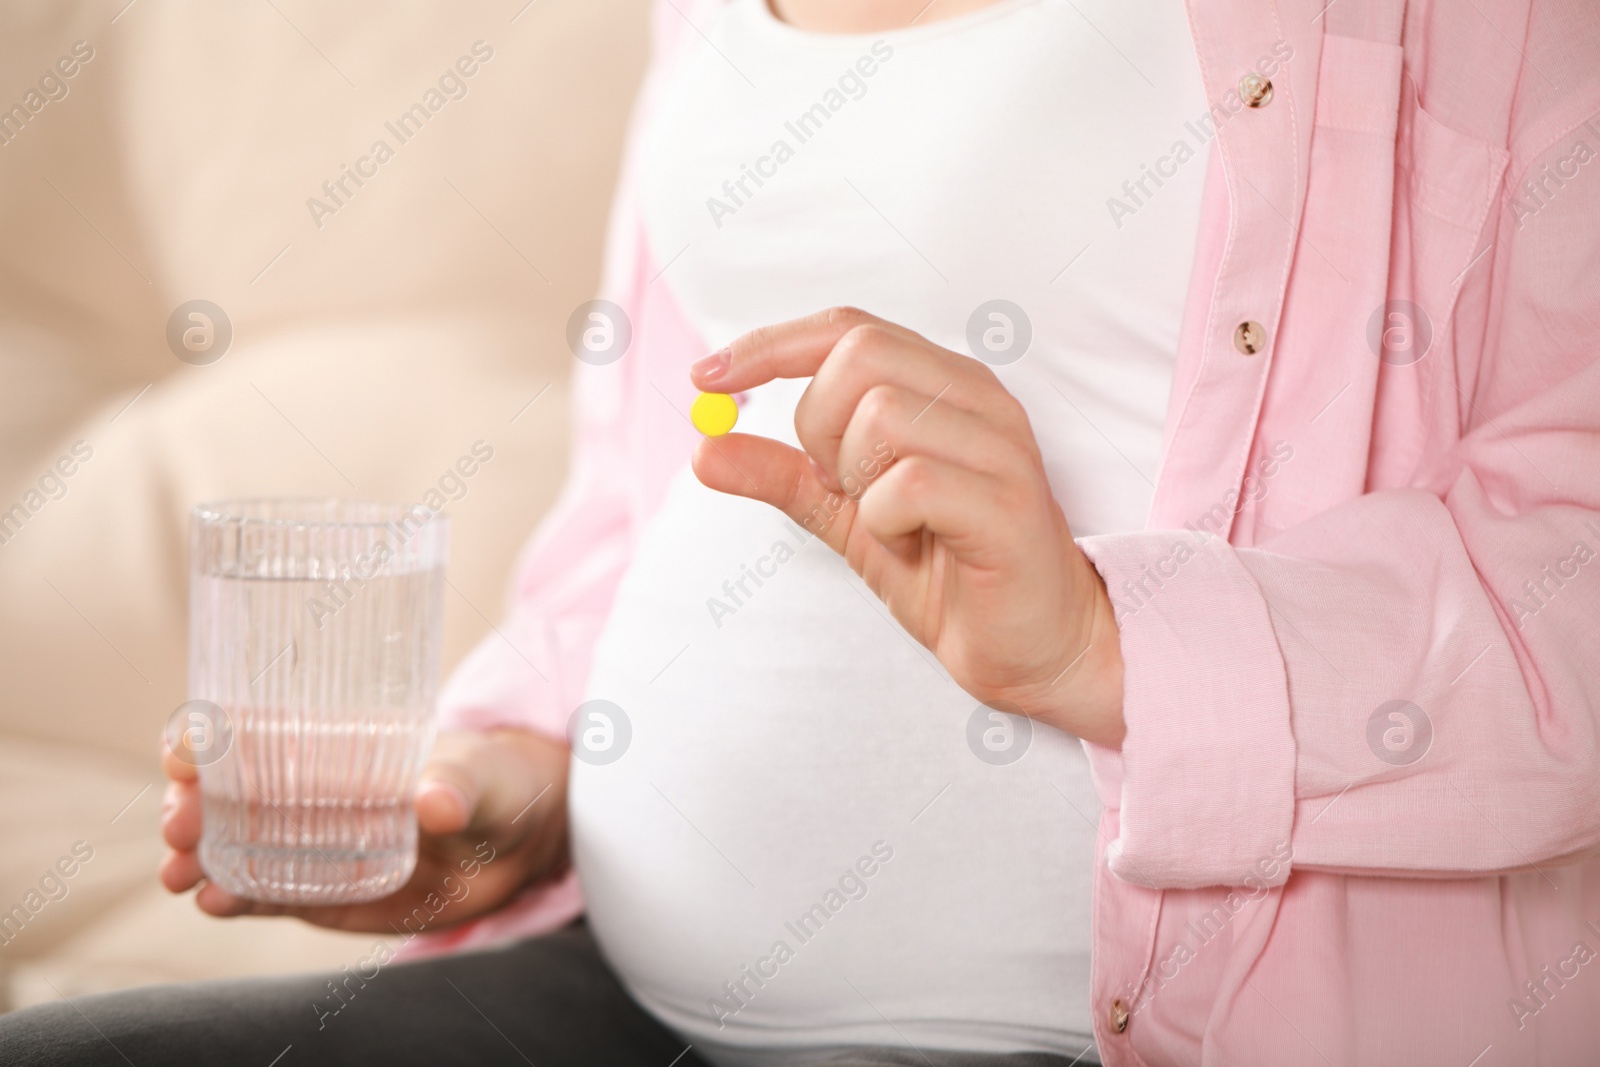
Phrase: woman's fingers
pixel 180 871
pixel 214 900
pixel 873 358
pixel 891 423
pixel 772 472
pixel 448 795
pixel 493 781
pixel 849 353
pixel 917 493
pixel 177 769
pixel 472 781
pixel 180 815
pixel 793 349
pixel 442 807
pixel 946 475
pixel 475 790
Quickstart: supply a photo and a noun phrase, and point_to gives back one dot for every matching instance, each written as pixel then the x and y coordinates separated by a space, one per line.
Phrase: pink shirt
pixel 1362 770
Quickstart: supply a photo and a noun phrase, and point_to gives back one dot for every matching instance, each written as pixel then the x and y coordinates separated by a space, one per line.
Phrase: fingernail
pixel 713 366
pixel 434 785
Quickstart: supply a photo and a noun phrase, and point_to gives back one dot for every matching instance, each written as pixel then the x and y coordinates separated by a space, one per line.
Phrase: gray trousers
pixel 547 1000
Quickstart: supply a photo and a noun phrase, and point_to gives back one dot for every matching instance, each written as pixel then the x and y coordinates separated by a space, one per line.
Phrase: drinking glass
pixel 314 631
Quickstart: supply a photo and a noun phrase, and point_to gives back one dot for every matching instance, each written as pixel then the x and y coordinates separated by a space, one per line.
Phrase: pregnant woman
pixel 1156 628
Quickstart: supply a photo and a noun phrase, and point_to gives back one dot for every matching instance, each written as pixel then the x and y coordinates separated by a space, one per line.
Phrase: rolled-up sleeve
pixel 1409 682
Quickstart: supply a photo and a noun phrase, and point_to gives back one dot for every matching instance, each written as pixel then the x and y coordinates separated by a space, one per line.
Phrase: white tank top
pixel 814 838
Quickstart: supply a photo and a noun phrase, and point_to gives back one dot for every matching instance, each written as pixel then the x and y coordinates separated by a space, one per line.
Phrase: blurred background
pixel 375 339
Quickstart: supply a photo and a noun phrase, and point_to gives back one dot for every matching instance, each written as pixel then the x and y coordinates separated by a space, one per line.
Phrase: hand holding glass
pixel 313 663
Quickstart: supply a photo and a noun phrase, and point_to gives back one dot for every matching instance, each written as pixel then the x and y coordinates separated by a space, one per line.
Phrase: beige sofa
pixel 165 151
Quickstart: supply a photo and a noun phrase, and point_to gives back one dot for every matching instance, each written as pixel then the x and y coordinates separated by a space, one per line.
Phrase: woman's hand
pixel 922 471
pixel 494 803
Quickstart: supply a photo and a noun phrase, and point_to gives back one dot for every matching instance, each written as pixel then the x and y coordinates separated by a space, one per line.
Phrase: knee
pixel 54 1035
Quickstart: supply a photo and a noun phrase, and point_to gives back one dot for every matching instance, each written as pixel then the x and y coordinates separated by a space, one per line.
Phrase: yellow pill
pixel 713 414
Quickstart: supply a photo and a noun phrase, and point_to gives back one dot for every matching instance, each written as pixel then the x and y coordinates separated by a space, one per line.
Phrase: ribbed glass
pixel 315 626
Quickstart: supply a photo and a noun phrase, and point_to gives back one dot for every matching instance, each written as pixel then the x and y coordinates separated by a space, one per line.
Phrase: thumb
pixel 777 474
pixel 448 794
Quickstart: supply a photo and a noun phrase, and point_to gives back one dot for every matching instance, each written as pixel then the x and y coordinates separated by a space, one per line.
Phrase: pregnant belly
pixel 812 827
